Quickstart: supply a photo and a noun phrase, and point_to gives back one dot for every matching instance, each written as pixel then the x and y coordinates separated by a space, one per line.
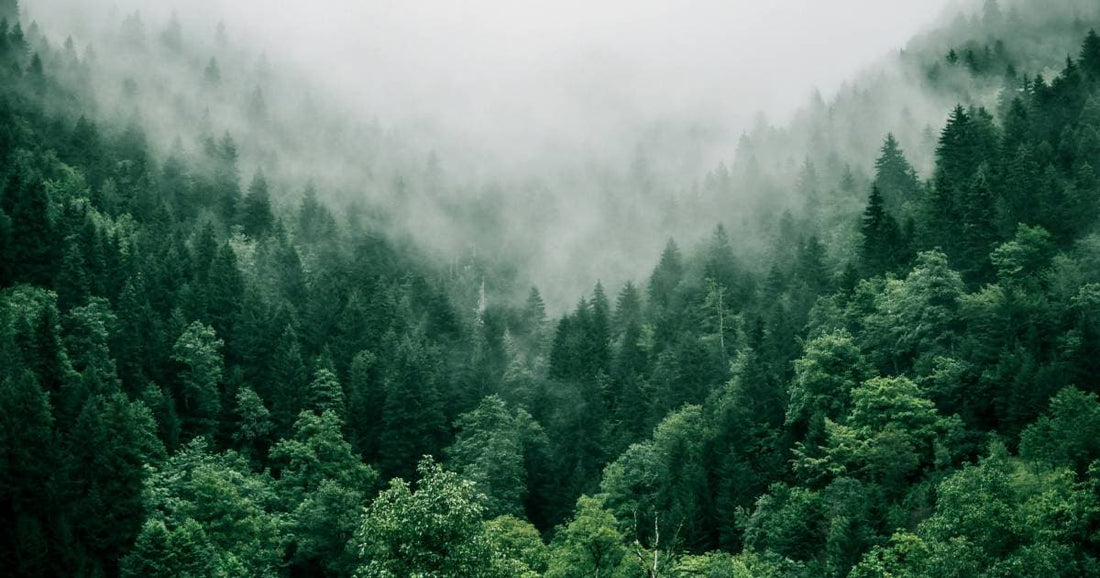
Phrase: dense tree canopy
pixel 897 376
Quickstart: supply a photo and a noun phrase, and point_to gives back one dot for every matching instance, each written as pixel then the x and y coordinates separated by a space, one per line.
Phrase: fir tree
pixel 881 249
pixel 257 218
pixel 894 177
pixel 1090 55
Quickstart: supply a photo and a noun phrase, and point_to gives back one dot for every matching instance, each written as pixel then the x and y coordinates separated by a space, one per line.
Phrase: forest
pixel 213 365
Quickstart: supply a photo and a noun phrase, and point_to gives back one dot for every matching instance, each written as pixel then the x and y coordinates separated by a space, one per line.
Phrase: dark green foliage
pixel 256 217
pixel 412 414
pixel 895 178
pixel 882 248
pixel 493 448
pixel 198 353
pixel 1090 55
pixel 1064 437
pixel 32 247
pixel 191 385
pixel 289 378
pixel 117 437
pixel 30 477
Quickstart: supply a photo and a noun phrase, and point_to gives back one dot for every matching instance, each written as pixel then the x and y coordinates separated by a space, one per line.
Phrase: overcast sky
pixel 519 73
pixel 543 63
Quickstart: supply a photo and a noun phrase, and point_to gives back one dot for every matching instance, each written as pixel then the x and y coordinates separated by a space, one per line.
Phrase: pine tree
pixel 969 140
pixel 534 315
pixel 257 218
pixel 172 37
pixel 599 334
pixel 30 475
pixel 366 398
pixel 225 187
pixel 315 221
pixel 412 416
pixel 72 283
pixel 198 352
pixel 810 266
pixel 881 249
pixel 33 244
pixel 117 437
pixel 289 379
pixel 212 75
pixel 1090 55
pixel 36 75
pixel 176 186
pixel 721 264
pixel 895 178
pixel 254 426
pixel 666 276
pixel 979 230
pixel 326 394
pixel 224 291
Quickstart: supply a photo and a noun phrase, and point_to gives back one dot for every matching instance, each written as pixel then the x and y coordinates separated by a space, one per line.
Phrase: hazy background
pixel 569 139
pixel 519 75
pixel 519 80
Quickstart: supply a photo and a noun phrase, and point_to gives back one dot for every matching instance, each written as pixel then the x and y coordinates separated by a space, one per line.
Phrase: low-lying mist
pixel 566 140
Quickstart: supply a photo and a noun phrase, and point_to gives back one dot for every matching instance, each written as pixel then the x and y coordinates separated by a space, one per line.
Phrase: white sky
pixel 519 75
pixel 543 63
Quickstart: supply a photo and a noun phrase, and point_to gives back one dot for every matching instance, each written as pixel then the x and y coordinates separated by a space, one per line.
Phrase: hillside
pixel 242 333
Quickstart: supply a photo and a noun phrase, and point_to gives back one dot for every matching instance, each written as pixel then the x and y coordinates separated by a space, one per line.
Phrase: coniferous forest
pixel 868 345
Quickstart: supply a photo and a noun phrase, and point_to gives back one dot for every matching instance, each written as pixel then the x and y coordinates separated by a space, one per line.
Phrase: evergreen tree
pixel 665 278
pixel 326 394
pixel 72 282
pixel 30 478
pixel 257 219
pixel 254 426
pixel 315 222
pixel 882 248
pixel 212 75
pixel 117 438
pixel 33 248
pixel 1090 55
pixel 979 227
pixel 289 377
pixel 201 366
pixel 492 449
pixel 412 415
pixel 895 178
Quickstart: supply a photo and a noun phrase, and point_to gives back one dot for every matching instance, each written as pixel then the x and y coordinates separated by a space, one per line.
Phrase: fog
pixel 566 141
pixel 514 77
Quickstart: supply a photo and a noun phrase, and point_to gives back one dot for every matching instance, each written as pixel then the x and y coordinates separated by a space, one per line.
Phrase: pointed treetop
pixel 1090 54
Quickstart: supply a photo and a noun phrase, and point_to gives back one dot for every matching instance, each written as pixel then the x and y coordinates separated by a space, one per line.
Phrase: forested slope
pixel 198 380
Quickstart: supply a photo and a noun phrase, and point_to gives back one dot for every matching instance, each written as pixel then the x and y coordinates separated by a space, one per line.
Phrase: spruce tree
pixel 289 379
pixel 666 276
pixel 895 177
pixel 257 219
pixel 979 230
pixel 881 249
pixel 117 438
pixel 198 353
pixel 34 246
pixel 212 74
pixel 326 394
pixel 30 476
pixel 412 416
pixel 1090 55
